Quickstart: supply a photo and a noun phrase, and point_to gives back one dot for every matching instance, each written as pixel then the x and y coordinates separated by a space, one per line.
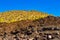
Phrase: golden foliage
pixel 12 16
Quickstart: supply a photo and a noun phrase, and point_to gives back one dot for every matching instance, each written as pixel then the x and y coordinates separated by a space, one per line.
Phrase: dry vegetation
pixel 12 16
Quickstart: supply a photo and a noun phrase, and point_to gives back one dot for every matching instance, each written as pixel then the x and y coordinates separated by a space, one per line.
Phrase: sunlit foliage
pixel 12 16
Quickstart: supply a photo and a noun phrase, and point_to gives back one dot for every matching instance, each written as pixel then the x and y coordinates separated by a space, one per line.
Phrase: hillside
pixel 32 30
pixel 13 16
pixel 29 25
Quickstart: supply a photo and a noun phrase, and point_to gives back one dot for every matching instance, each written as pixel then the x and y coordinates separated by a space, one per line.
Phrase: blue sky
pixel 49 6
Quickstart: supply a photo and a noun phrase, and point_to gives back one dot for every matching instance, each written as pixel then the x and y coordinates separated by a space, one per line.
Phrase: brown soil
pixel 30 30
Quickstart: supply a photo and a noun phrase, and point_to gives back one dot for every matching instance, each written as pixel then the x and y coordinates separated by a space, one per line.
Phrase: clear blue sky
pixel 49 6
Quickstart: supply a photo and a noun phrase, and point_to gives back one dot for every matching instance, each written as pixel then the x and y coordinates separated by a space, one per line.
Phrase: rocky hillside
pixel 37 26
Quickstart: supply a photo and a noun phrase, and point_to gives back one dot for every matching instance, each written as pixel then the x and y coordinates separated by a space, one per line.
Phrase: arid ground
pixel 47 28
